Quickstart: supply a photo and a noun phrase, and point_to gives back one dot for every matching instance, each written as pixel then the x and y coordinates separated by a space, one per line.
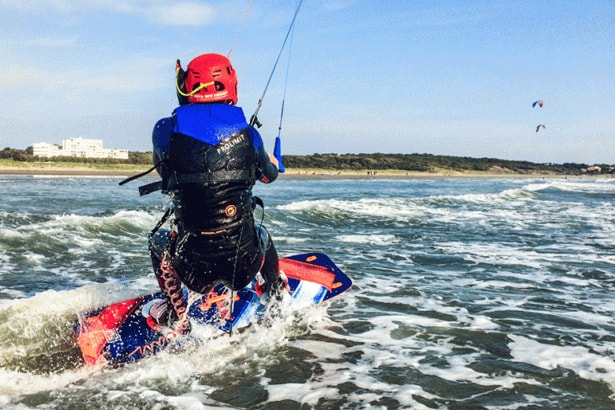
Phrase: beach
pixel 122 170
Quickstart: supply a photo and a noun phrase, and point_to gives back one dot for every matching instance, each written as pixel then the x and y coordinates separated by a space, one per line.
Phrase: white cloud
pixel 41 7
pixel 181 14
pixel 187 13
pixel 108 78
pixel 17 76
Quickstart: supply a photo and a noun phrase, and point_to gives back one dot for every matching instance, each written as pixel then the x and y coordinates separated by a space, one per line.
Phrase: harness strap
pixel 149 188
pixel 216 177
pixel 142 174
pixel 207 178
pixel 256 201
pixel 161 222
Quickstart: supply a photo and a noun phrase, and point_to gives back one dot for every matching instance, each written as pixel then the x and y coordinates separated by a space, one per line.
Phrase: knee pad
pixel 158 242
pixel 264 237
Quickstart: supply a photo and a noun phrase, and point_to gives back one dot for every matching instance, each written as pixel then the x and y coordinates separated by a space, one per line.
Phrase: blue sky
pixel 438 77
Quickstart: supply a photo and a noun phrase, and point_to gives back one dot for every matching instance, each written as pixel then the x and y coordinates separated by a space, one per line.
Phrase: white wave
pixel 580 359
pixel 380 347
pixel 85 231
pixel 43 320
pixel 319 204
pixel 140 220
pixel 386 208
pixel 505 196
pixel 26 383
pixel 42 323
pixel 494 253
pixel 12 293
pixel 602 315
pixel 375 239
pixel 506 206
pixel 500 254
pixel 291 239
pixel 575 185
pixel 336 372
pixel 501 284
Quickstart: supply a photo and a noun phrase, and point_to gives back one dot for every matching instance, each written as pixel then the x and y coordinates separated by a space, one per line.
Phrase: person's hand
pixel 274 160
pixel 277 153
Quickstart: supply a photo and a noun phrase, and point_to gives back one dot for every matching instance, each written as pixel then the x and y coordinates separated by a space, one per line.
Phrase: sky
pixel 389 76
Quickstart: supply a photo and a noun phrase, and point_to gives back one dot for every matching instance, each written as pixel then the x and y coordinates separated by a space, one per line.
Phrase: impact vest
pixel 208 165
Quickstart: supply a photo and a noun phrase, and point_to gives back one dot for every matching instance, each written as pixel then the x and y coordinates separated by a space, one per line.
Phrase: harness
pixel 214 177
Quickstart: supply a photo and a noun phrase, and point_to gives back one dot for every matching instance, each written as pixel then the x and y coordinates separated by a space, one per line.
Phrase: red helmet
pixel 208 78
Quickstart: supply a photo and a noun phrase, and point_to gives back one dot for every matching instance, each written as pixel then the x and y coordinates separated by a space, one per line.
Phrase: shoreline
pixel 84 171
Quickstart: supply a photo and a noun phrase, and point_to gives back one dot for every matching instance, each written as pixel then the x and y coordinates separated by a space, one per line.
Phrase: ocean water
pixel 468 294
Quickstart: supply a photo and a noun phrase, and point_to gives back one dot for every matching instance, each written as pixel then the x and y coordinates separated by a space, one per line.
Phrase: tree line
pixel 359 162
pixel 431 163
pixel 26 155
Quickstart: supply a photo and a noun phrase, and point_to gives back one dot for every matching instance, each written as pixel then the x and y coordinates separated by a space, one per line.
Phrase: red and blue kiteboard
pixel 124 332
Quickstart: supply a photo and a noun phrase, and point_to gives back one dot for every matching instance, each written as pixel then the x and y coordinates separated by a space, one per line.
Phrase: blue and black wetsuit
pixel 210 159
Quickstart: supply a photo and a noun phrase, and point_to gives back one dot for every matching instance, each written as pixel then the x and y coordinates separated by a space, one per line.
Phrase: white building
pixel 44 149
pixel 78 147
pixel 117 153
pixel 82 148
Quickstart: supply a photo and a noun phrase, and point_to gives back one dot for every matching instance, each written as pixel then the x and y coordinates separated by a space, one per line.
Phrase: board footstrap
pixel 308 272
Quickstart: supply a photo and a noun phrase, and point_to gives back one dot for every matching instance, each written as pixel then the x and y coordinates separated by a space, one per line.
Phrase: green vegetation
pixel 344 162
pixel 142 158
pixel 432 163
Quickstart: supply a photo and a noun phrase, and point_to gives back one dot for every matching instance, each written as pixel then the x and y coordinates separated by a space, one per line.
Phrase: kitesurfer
pixel 209 159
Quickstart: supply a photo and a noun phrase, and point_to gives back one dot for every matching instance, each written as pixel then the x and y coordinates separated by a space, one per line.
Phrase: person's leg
pixel 169 283
pixel 271 268
pixel 174 295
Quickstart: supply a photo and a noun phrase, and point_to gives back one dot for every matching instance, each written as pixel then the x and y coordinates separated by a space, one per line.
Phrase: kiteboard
pixel 124 332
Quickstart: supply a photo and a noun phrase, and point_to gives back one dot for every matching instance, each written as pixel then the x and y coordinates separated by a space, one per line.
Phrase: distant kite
pixel 539 102
pixel 540 125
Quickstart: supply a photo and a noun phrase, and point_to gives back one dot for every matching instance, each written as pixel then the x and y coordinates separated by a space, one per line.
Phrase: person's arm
pixel 161 140
pixel 267 165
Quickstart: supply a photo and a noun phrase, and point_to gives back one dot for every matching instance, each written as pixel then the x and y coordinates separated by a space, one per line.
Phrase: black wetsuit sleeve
pixel 267 171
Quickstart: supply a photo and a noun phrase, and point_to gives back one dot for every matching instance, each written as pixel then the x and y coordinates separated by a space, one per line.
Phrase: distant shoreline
pixel 85 171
